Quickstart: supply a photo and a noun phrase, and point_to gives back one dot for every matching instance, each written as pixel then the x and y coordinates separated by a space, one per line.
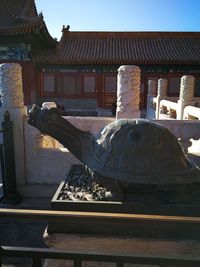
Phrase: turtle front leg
pixel 115 189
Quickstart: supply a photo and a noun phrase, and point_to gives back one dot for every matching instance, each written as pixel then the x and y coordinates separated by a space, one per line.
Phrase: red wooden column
pixel 29 81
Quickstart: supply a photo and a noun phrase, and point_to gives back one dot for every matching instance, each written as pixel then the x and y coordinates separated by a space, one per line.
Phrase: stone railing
pixel 186 131
pixel 48 162
pixel 169 108
pixel 191 113
pixel 163 107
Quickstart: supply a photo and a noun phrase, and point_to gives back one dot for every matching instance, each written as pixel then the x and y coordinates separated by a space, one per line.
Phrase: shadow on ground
pixel 23 233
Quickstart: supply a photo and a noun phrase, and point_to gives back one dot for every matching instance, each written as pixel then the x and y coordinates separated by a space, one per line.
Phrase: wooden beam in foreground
pixel 53 215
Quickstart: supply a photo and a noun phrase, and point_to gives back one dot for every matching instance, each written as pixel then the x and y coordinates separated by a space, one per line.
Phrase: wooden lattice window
pixel 110 84
pixel 49 84
pixel 89 84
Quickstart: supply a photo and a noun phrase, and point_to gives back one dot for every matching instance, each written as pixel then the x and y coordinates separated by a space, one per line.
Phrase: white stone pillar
pixel 152 87
pixel 186 94
pixel 128 92
pixel 151 94
pixel 162 94
pixel 12 101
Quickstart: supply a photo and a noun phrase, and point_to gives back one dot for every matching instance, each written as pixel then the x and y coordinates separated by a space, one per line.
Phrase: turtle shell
pixel 139 151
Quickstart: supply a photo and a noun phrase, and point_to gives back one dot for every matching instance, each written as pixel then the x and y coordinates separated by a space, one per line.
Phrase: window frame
pixel 71 94
pixel 48 93
pixel 108 97
pixel 89 94
pixel 104 81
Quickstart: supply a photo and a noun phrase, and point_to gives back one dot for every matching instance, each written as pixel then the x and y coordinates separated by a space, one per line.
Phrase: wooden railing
pixel 37 254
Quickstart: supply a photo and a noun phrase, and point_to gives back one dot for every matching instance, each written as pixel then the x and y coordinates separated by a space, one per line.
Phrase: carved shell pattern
pixel 139 146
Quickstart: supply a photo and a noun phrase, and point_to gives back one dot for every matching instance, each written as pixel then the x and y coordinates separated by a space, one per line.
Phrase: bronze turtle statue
pixel 125 154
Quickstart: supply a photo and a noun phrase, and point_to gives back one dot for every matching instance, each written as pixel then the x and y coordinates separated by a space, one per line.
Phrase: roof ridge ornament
pixel 65 29
pixel 41 15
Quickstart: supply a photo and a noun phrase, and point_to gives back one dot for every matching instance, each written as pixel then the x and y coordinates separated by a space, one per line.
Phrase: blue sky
pixel 120 15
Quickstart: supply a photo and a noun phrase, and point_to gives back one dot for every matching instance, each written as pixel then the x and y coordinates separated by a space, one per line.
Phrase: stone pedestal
pixel 128 92
pixel 117 245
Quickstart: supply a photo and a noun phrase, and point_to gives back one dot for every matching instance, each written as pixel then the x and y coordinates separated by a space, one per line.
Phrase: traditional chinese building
pixel 80 71
pixel 22 33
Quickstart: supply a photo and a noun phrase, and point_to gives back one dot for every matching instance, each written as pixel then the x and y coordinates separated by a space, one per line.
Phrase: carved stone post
pixel 162 94
pixel 128 92
pixel 151 94
pixel 12 101
pixel 186 94
pixel 152 88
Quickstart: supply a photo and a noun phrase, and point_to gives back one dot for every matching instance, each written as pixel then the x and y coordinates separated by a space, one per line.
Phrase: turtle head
pixel 41 118
pixel 49 122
